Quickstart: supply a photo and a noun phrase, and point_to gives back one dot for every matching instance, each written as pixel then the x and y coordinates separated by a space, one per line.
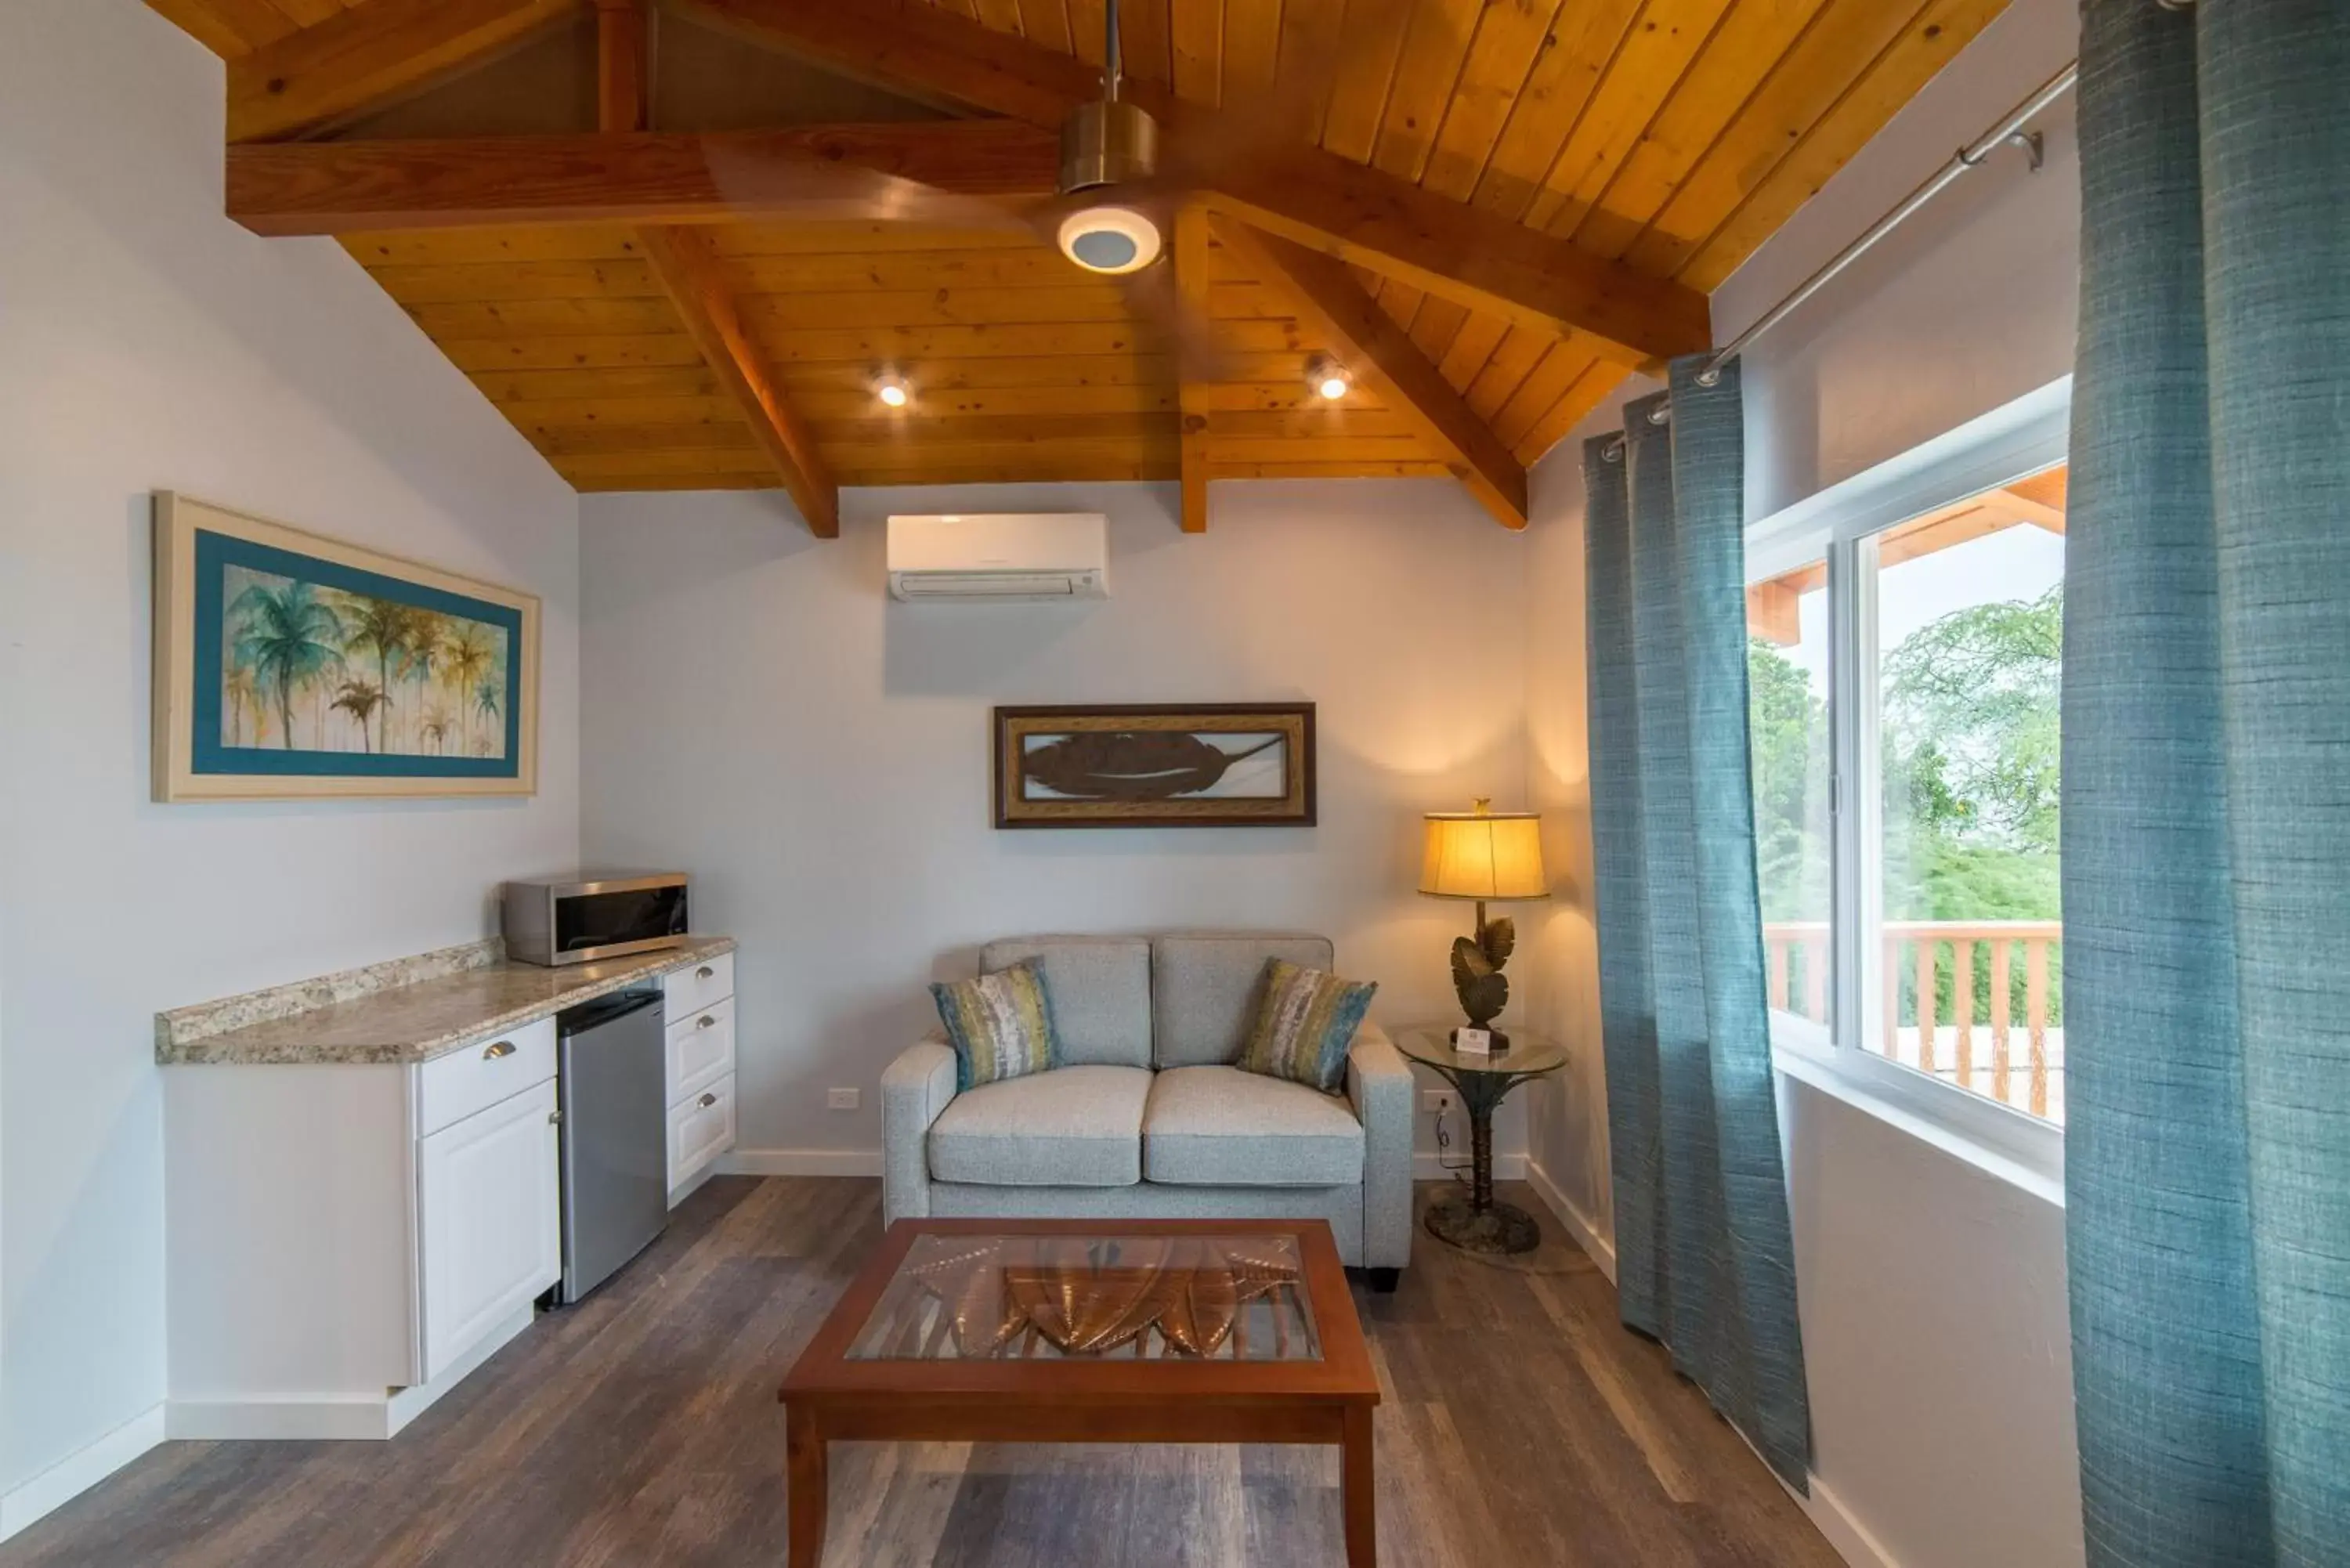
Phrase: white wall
pixel 144 343
pixel 817 756
pixel 1932 1293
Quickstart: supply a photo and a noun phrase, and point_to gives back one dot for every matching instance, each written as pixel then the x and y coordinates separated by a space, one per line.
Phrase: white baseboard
pixel 801 1162
pixel 1850 1538
pixel 334 1417
pixel 1581 1226
pixel 868 1162
pixel 79 1471
pixel 1430 1167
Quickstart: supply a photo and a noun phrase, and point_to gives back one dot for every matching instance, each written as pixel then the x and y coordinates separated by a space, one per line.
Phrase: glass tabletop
pixel 1528 1052
pixel 1219 1298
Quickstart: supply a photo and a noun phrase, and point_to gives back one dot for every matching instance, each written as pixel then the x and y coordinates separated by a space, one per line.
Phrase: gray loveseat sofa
pixel 1148 1117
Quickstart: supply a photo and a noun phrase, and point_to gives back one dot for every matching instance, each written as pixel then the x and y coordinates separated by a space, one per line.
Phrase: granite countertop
pixel 409 1010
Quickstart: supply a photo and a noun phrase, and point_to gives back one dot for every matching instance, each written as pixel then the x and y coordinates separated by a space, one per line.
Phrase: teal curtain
pixel 2207 787
pixel 1703 1254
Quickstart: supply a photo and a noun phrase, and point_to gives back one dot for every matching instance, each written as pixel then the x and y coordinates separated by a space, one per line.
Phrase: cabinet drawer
pixel 696 987
pixel 700 1128
pixel 701 1050
pixel 481 1073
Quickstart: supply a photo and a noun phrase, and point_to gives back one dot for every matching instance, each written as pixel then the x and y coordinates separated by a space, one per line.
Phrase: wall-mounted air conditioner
pixel 1022 558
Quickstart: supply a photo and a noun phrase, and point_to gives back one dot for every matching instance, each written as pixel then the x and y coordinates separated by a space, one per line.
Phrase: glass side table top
pixel 1093 1297
pixel 1528 1052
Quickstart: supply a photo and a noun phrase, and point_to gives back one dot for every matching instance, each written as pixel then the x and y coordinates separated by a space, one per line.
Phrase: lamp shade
pixel 1483 854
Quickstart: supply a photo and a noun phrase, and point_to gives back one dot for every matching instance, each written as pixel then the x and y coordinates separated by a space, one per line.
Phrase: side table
pixel 1481 1222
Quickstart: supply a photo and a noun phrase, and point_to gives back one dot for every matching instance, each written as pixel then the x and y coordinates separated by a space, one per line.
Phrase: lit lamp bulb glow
pixel 1110 240
pixel 893 392
pixel 1330 382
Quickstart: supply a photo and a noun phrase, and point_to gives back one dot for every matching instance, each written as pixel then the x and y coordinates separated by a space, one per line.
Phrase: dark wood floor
pixel 1522 1429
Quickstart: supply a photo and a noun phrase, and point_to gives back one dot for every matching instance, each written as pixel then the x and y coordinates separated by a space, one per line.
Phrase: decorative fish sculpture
pixel 1132 764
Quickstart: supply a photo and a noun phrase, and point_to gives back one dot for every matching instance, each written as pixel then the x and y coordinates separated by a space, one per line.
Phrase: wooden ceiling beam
pixel 1310 196
pixel 692 275
pixel 624 64
pixel 1382 358
pixel 691 272
pixel 811 172
pixel 1193 378
pixel 372 54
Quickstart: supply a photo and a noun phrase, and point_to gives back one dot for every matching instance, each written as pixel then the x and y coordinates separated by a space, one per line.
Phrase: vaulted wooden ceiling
pixel 1488 211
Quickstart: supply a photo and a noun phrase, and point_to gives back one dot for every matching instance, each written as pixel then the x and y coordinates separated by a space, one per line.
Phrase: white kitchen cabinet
pixel 348 1237
pixel 489 1217
pixel 344 1243
pixel 700 1018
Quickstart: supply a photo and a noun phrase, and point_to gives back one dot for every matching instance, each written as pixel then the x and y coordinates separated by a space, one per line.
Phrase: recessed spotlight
pixel 893 392
pixel 1111 239
pixel 1330 379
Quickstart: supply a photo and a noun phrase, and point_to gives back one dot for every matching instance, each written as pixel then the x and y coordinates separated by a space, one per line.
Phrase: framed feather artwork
pixel 290 665
pixel 1225 764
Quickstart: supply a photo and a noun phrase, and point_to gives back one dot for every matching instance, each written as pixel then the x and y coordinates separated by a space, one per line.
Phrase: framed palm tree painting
pixel 290 665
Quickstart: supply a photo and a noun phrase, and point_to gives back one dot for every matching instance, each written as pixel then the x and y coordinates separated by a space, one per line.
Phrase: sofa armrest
pixel 914 1089
pixel 1380 1084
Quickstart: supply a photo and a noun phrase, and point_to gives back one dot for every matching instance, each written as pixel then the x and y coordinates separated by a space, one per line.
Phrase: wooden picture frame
pixel 290 666
pixel 1161 765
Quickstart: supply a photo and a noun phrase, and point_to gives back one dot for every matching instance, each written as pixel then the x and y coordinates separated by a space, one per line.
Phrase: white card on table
pixel 1473 1041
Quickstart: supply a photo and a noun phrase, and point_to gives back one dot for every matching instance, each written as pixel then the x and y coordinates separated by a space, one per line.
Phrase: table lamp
pixel 1483 854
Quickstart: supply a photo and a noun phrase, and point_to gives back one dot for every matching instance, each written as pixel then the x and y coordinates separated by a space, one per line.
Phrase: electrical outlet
pixel 1436 1102
pixel 842 1099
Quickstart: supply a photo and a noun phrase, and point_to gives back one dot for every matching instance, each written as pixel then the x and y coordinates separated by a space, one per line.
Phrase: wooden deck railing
pixel 1797 954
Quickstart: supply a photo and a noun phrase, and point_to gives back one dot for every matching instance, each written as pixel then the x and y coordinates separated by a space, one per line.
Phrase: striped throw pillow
pixel 1304 1024
pixel 1000 1025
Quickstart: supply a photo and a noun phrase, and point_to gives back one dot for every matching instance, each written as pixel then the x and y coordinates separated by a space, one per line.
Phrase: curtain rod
pixel 2009 128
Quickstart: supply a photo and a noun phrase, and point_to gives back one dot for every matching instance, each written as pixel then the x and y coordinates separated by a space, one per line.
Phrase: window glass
pixel 1792 751
pixel 1965 617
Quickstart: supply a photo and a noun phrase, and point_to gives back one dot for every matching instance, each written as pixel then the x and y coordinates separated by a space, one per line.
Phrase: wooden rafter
pixel 691 272
pixel 1311 196
pixel 693 276
pixel 811 172
pixel 1384 359
pixel 624 66
pixel 372 54
pixel 1193 394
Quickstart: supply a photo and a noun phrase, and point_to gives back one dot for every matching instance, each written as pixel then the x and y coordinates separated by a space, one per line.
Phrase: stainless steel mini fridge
pixel 615 1131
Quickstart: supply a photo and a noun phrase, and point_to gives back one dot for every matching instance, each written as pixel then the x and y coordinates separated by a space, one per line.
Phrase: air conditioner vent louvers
pixel 1009 559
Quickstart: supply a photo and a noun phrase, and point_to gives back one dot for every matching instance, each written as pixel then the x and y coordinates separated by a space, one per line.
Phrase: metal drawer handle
pixel 704 972
pixel 705 1021
pixel 502 1048
pixel 707 1101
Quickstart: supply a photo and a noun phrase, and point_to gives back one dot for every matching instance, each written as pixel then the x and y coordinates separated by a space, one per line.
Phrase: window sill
pixel 2025 1153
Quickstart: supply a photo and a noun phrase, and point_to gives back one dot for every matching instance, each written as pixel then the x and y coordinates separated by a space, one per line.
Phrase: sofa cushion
pixel 1101 993
pixel 1073 1127
pixel 1219 1126
pixel 1000 1025
pixel 1204 991
pixel 1305 1019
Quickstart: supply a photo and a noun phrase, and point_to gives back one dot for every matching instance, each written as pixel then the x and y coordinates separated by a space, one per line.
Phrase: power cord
pixel 1445 1159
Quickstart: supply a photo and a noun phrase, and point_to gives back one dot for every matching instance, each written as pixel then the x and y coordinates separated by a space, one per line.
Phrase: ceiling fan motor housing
pixel 1107 143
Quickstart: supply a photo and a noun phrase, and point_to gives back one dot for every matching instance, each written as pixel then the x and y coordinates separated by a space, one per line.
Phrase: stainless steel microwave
pixel 593 915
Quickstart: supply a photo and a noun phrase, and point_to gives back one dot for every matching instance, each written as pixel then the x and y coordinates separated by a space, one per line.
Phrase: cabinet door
pixel 490 1217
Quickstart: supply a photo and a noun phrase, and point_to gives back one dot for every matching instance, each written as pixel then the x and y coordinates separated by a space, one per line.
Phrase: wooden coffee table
pixel 1083 1331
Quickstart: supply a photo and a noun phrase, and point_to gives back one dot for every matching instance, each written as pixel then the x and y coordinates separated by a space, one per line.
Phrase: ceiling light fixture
pixel 1105 144
pixel 1331 381
pixel 893 392
pixel 1110 240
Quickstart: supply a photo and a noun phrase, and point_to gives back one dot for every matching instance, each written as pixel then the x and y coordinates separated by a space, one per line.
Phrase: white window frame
pixel 1841 524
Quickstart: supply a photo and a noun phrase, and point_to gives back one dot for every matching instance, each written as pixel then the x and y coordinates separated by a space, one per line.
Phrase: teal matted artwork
pixel 291 665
